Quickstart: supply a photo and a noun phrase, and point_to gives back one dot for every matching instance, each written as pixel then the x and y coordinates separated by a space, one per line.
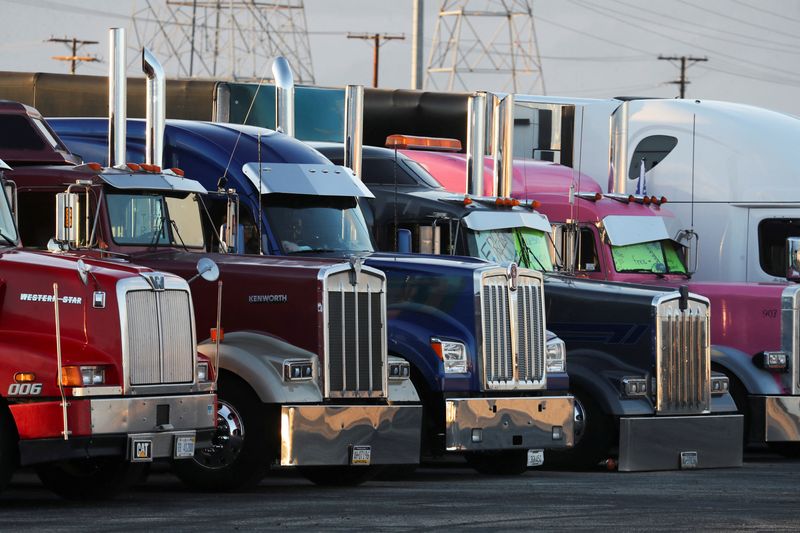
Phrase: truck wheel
pixel 593 437
pixel 339 476
pixel 90 479
pixel 9 456
pixel 503 463
pixel 239 455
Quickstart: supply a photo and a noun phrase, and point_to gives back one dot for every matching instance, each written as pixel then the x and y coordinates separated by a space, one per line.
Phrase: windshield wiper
pixel 178 233
pixel 7 239
pixel 157 234
pixel 528 253
pixel 313 251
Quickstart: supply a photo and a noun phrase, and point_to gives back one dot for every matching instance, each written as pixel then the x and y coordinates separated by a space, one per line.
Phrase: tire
pixel 100 478
pixel 592 443
pixel 740 397
pixel 241 453
pixel 504 463
pixel 339 476
pixel 9 450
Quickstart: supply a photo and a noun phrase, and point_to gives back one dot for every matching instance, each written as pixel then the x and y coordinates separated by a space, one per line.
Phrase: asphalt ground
pixel 762 495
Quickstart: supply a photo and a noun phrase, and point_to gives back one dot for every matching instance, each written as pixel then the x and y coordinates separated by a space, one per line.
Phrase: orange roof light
pixel 598 196
pixel 178 171
pixel 134 167
pixel 97 167
pixel 413 142
pixel 467 200
pixel 536 204
pixel 646 200
pixel 514 202
pixel 214 334
pixel 663 199
pixel 151 168
pixel 631 198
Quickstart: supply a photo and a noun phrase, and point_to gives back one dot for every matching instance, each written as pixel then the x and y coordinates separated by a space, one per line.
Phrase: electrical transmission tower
pixel 234 39
pixel 485 44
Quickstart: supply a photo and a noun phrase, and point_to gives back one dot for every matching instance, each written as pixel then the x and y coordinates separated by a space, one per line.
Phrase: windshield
pixel 8 231
pixel 306 223
pixel 154 219
pixel 658 257
pixel 527 247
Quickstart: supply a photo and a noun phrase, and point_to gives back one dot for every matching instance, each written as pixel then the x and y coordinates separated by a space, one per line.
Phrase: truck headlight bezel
pixel 774 361
pixel 555 355
pixel 399 370
pixel 453 355
pixel 202 372
pixel 83 375
pixel 295 370
pixel 720 385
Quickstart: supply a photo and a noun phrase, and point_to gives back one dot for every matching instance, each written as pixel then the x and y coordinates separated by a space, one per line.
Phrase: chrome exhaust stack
pixel 284 96
pixel 476 142
pixel 117 97
pixel 353 127
pixel 502 144
pixel 155 108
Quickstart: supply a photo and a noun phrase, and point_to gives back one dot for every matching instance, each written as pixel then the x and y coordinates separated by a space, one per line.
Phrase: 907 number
pixel 25 389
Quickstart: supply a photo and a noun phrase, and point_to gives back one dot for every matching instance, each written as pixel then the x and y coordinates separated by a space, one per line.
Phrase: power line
pixel 75 44
pixel 760 9
pixel 682 81
pixel 770 29
pixel 376 39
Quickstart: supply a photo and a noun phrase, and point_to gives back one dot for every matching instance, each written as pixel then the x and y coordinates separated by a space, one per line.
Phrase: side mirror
pixel 231 233
pixel 67 218
pixel 430 240
pixel 207 269
pixel 404 241
pixel 793 258
pixel 569 236
pixel 689 239
pixel 83 271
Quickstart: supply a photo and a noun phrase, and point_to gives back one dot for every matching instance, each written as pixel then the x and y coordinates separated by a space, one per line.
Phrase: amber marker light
pixel 24 377
pixel 97 167
pixel 134 167
pixel 214 334
pixel 414 142
pixel 467 200
pixel 178 171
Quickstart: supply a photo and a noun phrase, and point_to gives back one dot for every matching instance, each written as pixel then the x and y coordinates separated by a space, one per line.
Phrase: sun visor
pixel 154 182
pixel 4 166
pixel 492 220
pixel 625 230
pixel 312 179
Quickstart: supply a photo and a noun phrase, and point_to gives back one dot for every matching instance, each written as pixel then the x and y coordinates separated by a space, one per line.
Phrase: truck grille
pixel 160 337
pixel 683 358
pixel 790 336
pixel 513 330
pixel 355 359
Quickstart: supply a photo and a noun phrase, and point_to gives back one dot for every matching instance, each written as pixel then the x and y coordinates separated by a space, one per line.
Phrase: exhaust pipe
pixel 502 144
pixel 476 142
pixel 353 127
pixel 284 96
pixel 117 97
pixel 155 108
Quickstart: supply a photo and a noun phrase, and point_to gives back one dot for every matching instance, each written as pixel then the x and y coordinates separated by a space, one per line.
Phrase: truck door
pixel 767 231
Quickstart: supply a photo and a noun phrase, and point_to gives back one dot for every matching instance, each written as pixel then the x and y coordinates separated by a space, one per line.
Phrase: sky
pixel 588 48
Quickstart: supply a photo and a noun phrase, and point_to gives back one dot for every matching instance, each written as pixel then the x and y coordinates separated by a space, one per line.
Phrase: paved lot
pixel 763 495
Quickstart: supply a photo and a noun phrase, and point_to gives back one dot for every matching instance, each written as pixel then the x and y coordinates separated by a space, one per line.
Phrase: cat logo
pixel 142 450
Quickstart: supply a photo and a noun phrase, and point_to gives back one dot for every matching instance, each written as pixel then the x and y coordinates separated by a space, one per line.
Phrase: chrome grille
pixel 790 336
pixel 160 343
pixel 683 361
pixel 355 358
pixel 513 331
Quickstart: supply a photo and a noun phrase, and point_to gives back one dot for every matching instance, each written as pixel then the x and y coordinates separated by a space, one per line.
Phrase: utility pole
pixel 417 32
pixel 682 81
pixel 74 58
pixel 376 39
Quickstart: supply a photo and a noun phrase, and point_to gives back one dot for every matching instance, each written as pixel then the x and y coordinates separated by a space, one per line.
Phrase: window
pixel 152 219
pixel 653 149
pixel 37 212
pixel 525 246
pixel 587 260
pixel 772 235
pixel 657 257
pixel 16 133
pixel 382 172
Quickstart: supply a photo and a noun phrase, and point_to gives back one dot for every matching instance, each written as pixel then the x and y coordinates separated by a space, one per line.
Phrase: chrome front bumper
pixel 661 442
pixel 483 424
pixel 324 435
pixel 774 419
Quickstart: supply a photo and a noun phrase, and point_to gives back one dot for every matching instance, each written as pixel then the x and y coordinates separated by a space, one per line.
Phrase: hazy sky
pixel 589 48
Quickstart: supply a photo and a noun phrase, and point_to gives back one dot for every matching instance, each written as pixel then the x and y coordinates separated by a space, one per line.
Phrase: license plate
pixel 360 455
pixel 141 450
pixel 535 457
pixel 184 446
pixel 688 459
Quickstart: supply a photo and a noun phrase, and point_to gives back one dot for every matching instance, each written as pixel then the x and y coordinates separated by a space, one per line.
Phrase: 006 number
pixel 25 389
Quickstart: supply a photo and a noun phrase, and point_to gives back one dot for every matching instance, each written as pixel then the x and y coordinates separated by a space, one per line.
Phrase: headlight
pixel 556 358
pixel 399 370
pixel 777 361
pixel 202 371
pixel 633 387
pixel 82 376
pixel 453 355
pixel 298 370
pixel 719 385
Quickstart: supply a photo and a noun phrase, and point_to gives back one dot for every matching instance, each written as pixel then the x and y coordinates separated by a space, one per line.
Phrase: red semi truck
pixel 92 384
